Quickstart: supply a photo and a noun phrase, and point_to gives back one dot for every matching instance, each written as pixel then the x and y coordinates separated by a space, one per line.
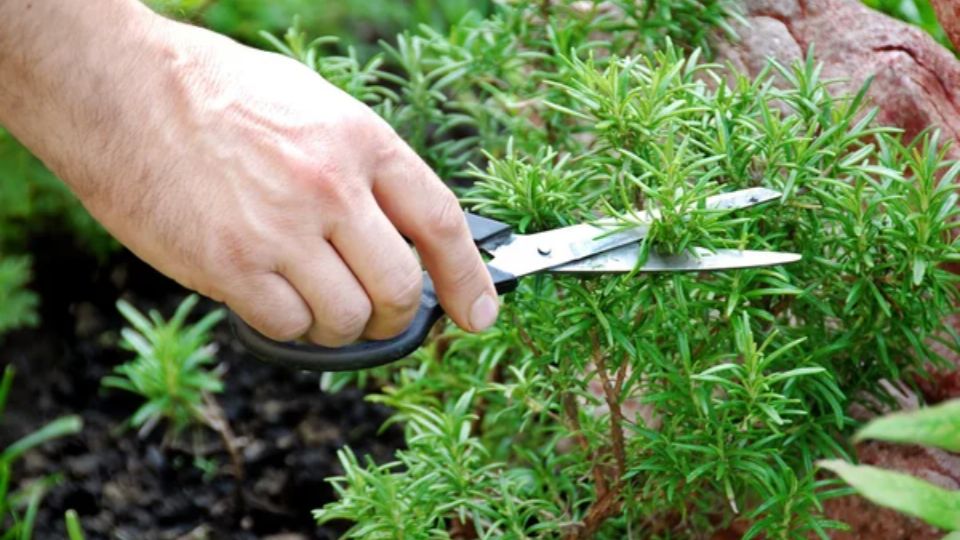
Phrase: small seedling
pixel 171 370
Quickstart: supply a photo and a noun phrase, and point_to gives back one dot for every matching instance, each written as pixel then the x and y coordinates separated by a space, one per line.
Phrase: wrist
pixel 49 45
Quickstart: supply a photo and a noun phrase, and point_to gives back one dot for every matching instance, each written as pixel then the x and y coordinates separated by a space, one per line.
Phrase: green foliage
pixel 18 305
pixel 534 193
pixel 443 462
pixel 35 200
pixel 18 509
pixel 917 12
pixel 656 406
pixel 347 72
pixel 171 369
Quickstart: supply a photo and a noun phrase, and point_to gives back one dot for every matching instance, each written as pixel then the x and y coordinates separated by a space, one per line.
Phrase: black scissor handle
pixel 360 355
pixel 485 230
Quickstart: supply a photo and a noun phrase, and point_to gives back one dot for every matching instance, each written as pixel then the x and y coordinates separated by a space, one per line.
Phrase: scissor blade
pixel 521 255
pixel 624 259
pixel 743 198
pixel 733 200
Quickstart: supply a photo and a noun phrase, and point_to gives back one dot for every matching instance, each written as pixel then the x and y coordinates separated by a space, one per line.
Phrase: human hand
pixel 247 177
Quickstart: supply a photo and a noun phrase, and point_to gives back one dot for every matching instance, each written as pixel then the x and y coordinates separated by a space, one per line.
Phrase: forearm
pixel 239 173
pixel 65 67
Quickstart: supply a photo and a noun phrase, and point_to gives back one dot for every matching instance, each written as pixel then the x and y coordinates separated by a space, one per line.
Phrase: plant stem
pixel 215 418
pixel 612 394
pixel 608 501
pixel 572 413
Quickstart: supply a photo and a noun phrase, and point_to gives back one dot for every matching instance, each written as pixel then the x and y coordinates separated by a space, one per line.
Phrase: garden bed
pixel 128 487
pixel 753 373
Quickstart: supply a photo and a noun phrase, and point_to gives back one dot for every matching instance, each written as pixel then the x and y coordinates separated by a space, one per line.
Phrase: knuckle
pixel 327 179
pixel 405 296
pixel 346 324
pixel 359 129
pixel 447 220
pixel 310 168
pixel 279 324
pixel 289 329
pixel 360 124
pixel 466 277
pixel 233 252
pixel 386 146
pixel 367 127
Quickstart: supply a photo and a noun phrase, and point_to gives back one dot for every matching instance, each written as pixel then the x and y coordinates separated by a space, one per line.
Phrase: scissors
pixel 587 248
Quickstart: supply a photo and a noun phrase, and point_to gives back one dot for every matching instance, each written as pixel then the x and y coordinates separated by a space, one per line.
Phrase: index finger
pixel 427 212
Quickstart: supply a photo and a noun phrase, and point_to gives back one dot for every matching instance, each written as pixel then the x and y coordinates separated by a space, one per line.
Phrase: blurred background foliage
pixel 359 22
pixel 916 12
pixel 364 21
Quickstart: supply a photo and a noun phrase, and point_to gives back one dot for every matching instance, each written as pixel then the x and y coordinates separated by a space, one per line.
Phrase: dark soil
pixel 130 487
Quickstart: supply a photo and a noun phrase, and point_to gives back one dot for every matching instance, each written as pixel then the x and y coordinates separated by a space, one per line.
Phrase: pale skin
pixel 241 174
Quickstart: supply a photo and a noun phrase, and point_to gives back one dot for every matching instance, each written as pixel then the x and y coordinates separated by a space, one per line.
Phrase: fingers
pixel 339 304
pixel 425 210
pixel 270 304
pixel 385 267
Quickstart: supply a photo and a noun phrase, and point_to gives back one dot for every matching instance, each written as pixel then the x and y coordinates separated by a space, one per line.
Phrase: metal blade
pixel 733 200
pixel 521 255
pixel 624 260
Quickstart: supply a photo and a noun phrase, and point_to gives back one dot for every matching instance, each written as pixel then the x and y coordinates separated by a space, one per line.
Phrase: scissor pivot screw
pixel 544 250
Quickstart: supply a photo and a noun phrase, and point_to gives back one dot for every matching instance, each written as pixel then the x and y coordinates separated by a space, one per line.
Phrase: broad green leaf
pixel 937 426
pixel 901 492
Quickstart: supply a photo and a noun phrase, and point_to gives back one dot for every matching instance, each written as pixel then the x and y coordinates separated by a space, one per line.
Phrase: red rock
pixel 948 13
pixel 914 78
pixel 915 82
pixel 869 521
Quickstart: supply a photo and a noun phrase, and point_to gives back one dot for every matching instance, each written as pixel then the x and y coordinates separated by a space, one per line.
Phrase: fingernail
pixel 483 313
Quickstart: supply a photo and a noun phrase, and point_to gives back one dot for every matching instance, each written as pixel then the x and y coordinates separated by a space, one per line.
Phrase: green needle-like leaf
pixel 61 427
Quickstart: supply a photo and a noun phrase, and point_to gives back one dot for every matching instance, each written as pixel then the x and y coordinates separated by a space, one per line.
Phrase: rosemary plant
pixel 173 373
pixel 648 406
pixel 171 369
